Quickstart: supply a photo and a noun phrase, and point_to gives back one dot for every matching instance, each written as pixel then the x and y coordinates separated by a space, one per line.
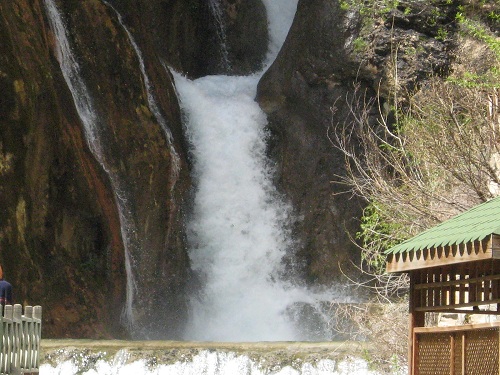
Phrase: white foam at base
pixel 213 363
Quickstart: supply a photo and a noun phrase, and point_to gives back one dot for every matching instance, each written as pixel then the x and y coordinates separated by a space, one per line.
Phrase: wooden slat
pixel 451 310
pixel 447 288
pixel 464 327
pixel 436 290
pixel 461 289
pixel 473 285
pixel 453 289
pixel 456 282
pixel 463 353
pixel 467 304
pixel 494 283
pixel 452 354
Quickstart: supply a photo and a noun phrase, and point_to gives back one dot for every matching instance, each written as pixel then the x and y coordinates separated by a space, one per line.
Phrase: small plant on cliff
pixel 359 45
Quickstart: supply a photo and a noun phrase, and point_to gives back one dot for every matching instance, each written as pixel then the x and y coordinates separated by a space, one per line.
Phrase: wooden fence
pixel 20 339
pixel 458 350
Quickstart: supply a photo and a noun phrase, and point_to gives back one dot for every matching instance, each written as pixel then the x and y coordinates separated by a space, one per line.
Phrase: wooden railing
pixel 459 286
pixel 20 339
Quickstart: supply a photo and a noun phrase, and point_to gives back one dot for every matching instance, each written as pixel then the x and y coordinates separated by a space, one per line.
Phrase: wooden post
pixel 37 317
pixel 498 350
pixel 27 339
pixel 17 322
pixel 417 319
pixel 463 353
pixel 8 337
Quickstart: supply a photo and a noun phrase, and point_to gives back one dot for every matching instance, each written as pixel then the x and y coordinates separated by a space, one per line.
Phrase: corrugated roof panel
pixel 472 225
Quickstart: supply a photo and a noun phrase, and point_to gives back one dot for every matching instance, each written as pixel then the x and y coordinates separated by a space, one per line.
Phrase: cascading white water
pixel 280 14
pixel 92 129
pixel 262 360
pixel 238 232
pixel 209 363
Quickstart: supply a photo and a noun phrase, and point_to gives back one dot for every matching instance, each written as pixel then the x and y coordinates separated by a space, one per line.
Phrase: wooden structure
pixel 454 268
pixel 20 339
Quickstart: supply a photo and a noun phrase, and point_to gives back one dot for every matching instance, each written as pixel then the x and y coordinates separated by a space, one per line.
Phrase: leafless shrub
pixel 383 324
pixel 415 165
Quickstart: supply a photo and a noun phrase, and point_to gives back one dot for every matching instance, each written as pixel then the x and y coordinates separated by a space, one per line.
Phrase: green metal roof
pixel 472 225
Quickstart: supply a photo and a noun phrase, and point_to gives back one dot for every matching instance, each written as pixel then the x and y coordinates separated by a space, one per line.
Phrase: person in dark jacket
pixel 5 290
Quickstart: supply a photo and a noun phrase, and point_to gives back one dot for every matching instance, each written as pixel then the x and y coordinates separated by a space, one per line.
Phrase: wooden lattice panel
pixel 457 353
pixel 459 350
pixel 434 354
pixel 481 352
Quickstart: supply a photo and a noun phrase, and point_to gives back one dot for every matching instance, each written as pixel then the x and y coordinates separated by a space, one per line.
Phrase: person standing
pixel 5 290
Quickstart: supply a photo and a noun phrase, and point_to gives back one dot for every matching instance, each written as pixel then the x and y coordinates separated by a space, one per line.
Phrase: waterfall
pixel 93 128
pixel 152 104
pixel 238 234
pixel 220 25
pixel 280 14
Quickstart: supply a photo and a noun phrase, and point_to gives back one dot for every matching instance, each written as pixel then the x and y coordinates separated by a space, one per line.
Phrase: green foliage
pixel 494 16
pixel 345 5
pixel 377 234
pixel 359 44
pixel 491 77
pixel 442 34
pixel 489 80
pixel 479 32
pixel 414 170
pixel 370 8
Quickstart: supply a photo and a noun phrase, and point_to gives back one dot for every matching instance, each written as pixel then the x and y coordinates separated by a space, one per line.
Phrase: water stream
pixel 239 232
pixel 208 363
pixel 217 13
pixel 152 104
pixel 93 130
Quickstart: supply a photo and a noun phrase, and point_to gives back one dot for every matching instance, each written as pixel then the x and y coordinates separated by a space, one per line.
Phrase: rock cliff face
pixel 62 232
pixel 61 229
pixel 311 87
